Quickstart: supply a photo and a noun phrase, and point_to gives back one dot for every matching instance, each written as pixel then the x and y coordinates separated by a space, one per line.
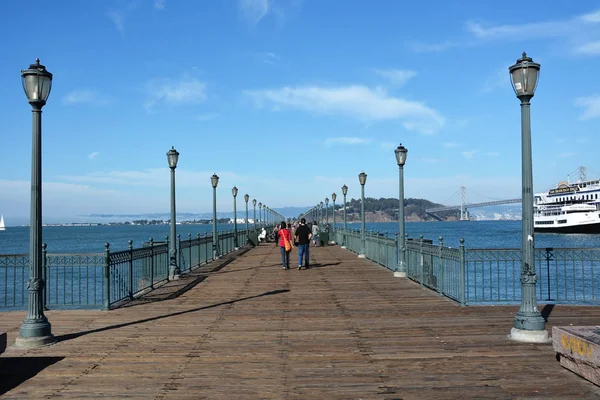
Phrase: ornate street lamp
pixel 234 192
pixel 36 330
pixel 260 220
pixel 333 197
pixel 362 179
pixel 246 198
pixel 345 192
pixel 214 180
pixel 172 158
pixel 254 204
pixel 326 210
pixel 529 324
pixel 401 152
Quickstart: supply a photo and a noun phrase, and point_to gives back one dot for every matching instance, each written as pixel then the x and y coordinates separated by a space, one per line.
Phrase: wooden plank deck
pixel 345 329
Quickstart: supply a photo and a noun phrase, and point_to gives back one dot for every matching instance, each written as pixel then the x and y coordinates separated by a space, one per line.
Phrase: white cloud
pixel 254 10
pixel 184 91
pixel 356 101
pixel 579 31
pixel 591 106
pixel 345 140
pixel 589 48
pixel 93 155
pixel 500 79
pixel 159 4
pixel 118 18
pixel 397 77
pixel 566 154
pixel 266 57
pixel 469 154
pixel 451 145
pixel 85 96
pixel 419 47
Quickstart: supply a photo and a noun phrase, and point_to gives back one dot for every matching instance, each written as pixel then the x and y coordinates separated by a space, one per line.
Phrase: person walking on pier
pixel 302 236
pixel 315 233
pixel 285 244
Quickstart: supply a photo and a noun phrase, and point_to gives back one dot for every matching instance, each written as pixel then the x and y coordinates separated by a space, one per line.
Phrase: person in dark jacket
pixel 302 236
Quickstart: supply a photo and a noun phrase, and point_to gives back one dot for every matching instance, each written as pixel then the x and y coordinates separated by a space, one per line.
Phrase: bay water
pixel 477 234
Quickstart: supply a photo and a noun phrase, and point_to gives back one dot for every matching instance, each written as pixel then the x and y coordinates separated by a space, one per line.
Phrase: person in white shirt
pixel 263 235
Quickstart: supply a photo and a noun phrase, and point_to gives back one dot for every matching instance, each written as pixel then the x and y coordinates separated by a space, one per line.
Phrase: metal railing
pixel 101 280
pixel 486 276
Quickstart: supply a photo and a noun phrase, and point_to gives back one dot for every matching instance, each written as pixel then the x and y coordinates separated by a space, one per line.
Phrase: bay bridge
pixel 464 206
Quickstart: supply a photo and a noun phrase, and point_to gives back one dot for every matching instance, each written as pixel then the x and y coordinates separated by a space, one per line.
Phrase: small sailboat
pixel 2 222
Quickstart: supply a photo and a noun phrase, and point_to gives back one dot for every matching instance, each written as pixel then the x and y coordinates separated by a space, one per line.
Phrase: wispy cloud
pixel 85 96
pixel 580 32
pixel 345 140
pixel 500 79
pixel 492 154
pixel 159 4
pixel 566 154
pixel 265 57
pixel 207 117
pixel 397 77
pixel 93 155
pixel 451 145
pixel 183 91
pixel 432 160
pixel 355 101
pixel 469 154
pixel 254 10
pixel 119 16
pixel 591 106
pixel 420 47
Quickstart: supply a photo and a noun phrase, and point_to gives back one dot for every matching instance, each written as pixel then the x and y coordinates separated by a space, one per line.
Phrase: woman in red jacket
pixel 284 236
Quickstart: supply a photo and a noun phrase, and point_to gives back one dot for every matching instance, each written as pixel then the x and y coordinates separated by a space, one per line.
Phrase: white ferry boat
pixel 568 208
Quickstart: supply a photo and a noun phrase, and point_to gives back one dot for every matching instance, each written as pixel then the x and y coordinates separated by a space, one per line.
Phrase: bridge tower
pixel 464 213
pixel 582 174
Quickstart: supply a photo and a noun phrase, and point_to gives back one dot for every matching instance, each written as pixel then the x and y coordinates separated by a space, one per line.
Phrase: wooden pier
pixel 344 329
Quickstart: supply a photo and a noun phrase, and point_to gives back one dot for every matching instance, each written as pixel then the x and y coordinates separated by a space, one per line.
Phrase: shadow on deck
pixel 249 329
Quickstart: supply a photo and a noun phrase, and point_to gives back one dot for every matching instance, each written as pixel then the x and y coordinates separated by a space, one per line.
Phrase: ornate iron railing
pixel 486 276
pixel 105 279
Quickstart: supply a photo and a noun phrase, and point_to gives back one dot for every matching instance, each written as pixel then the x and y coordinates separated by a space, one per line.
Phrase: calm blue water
pixel 477 234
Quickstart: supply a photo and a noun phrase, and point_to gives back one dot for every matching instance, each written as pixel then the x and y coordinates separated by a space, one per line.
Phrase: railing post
pixel 198 237
pixel 206 242
pixel 462 272
pixel 178 251
pixel 106 276
pixel 397 250
pixel 151 263
pixel 440 280
pixel 167 258
pixel 421 262
pixel 190 251
pixel 45 294
pixel 131 269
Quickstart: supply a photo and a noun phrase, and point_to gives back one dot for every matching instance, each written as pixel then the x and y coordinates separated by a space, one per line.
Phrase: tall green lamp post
pixel 172 158
pixel 36 330
pixel 333 197
pixel 260 221
pixel 214 180
pixel 529 324
pixel 321 215
pixel 254 218
pixel 344 192
pixel 401 153
pixel 326 210
pixel 234 192
pixel 246 198
pixel 362 179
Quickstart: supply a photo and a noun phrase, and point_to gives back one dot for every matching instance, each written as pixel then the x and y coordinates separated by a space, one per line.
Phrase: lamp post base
pixel 521 335
pixel 362 256
pixel 398 274
pixel 343 247
pixel 174 273
pixel 34 342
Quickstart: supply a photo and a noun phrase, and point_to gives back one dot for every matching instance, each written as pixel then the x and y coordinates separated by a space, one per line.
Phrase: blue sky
pixel 289 100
